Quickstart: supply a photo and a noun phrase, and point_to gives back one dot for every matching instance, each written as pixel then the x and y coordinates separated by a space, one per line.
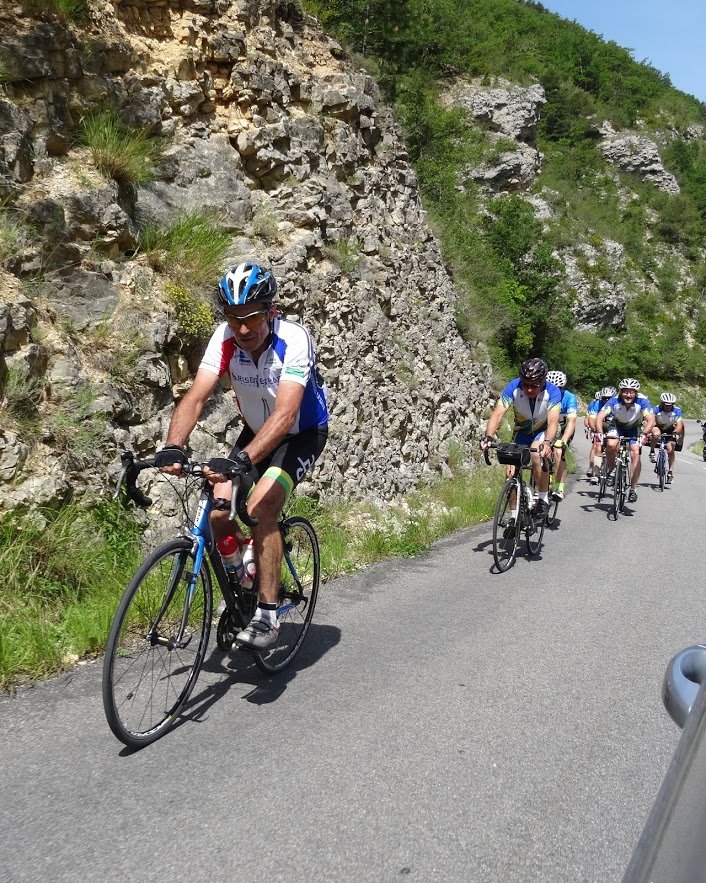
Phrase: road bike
pixel 621 477
pixel 160 632
pixel 516 494
pixel 662 459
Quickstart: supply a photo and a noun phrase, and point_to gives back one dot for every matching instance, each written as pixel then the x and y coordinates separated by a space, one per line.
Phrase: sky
pixel 671 36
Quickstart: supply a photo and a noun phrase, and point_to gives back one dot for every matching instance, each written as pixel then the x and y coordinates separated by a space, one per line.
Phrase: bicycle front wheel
pixel 615 507
pixel 151 661
pixel 298 591
pixel 661 468
pixel 534 532
pixel 506 529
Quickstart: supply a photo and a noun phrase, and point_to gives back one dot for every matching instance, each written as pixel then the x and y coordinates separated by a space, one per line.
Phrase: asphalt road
pixel 443 723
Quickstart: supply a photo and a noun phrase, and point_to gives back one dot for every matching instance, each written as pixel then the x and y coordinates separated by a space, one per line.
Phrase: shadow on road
pixel 238 666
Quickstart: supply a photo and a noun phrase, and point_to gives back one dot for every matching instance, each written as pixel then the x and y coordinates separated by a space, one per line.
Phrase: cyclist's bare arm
pixel 188 412
pixel 569 429
pixel 599 421
pixel 494 420
pixel 279 423
pixel 552 428
pixel 650 422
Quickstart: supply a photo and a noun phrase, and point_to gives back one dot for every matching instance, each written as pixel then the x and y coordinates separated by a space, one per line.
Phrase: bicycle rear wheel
pixel 298 591
pixel 506 530
pixel 147 674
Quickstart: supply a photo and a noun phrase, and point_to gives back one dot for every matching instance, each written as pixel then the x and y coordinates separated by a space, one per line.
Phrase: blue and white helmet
pixel 247 283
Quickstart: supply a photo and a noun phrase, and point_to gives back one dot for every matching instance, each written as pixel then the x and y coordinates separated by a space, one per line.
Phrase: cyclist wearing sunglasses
pixel 536 404
pixel 271 366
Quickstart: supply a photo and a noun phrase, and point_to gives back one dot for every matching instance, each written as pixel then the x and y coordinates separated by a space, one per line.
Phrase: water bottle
pixel 248 564
pixel 231 558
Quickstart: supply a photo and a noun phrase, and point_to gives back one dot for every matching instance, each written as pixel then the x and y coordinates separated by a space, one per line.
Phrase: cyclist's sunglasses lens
pixel 251 321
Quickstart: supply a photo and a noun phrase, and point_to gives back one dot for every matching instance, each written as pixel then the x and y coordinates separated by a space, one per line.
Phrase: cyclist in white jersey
pixel 271 366
pixel 668 420
pixel 631 413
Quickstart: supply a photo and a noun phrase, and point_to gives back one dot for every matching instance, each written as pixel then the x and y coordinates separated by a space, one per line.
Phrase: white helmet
pixel 597 395
pixel 558 378
pixel 629 383
pixel 608 392
pixel 668 398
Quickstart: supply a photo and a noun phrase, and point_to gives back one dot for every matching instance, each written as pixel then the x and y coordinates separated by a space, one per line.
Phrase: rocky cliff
pixel 263 126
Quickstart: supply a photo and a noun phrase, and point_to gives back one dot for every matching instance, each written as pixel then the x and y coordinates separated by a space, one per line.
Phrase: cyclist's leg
pixel 655 436
pixel 670 456
pixel 635 463
pixel 612 443
pixel 286 467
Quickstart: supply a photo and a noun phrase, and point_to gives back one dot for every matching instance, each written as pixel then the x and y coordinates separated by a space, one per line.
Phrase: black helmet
pixel 534 369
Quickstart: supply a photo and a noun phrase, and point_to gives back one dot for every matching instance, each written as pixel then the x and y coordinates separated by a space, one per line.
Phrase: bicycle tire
pixel 298 591
pixel 506 535
pixel 614 506
pixel 551 514
pixel 661 468
pixel 146 684
pixel 624 482
pixel 534 534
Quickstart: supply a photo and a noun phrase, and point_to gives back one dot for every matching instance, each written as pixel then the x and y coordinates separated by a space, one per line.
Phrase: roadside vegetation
pixel 514 291
pixel 63 572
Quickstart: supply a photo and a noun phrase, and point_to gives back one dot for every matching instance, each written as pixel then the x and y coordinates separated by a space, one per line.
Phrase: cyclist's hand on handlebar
pixel 220 469
pixel 485 442
pixel 171 459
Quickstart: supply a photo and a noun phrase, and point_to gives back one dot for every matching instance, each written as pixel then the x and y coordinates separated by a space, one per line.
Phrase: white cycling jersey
pixel 289 357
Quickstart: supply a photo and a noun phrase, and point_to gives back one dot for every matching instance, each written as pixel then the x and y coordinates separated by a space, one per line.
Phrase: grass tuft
pixel 120 152
pixel 191 251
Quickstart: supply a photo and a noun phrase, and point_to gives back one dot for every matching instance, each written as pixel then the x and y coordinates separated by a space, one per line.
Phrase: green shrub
pixel 66 10
pixel 194 318
pixel 119 151
pixel 191 251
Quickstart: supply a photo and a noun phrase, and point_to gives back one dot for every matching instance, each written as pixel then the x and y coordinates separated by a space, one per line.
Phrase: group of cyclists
pixel 545 415
pixel 272 369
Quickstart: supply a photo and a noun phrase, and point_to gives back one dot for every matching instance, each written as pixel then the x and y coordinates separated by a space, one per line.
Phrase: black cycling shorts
pixel 291 461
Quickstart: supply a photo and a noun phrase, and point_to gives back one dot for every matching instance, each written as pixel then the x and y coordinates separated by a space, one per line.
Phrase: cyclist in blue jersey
pixel 536 404
pixel 567 427
pixel 629 411
pixel 589 426
pixel 271 366
pixel 602 397
pixel 668 419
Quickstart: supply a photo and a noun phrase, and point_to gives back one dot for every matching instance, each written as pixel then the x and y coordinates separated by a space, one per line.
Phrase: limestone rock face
pixel 639 155
pixel 289 150
pixel 507 108
pixel 511 113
